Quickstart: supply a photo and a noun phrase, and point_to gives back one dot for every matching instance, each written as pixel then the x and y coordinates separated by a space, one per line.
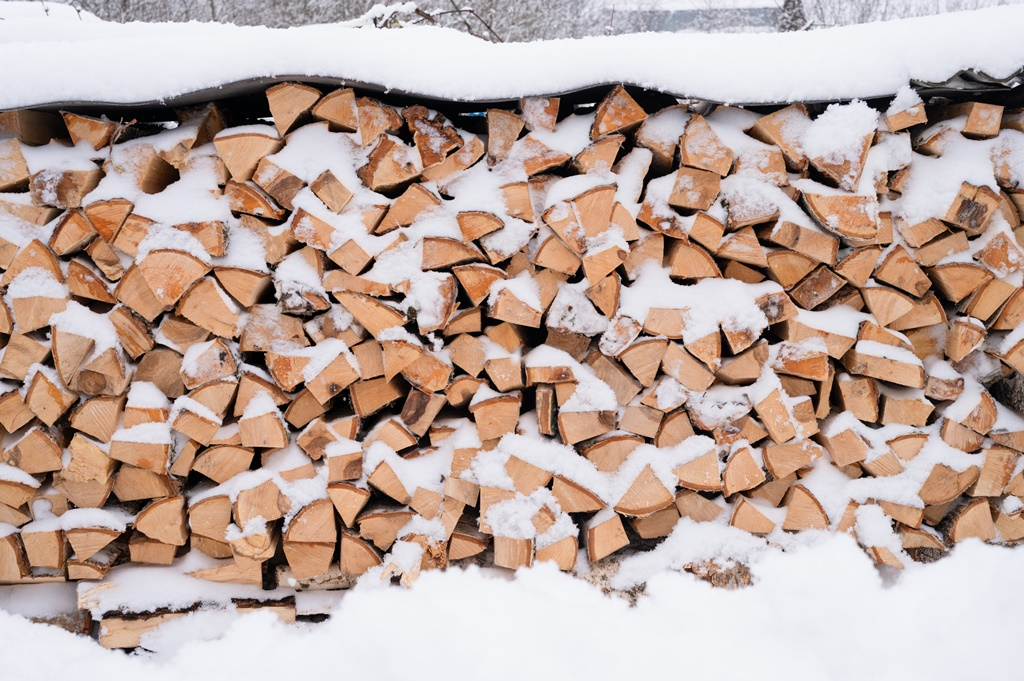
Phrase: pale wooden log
pixel 105 259
pixel 38 451
pixel 575 427
pixel 1010 527
pixel 803 511
pixel 700 147
pixel 900 270
pixel 457 162
pixel 145 166
pixel 701 474
pixel 496 416
pixel 476 280
pixel 695 190
pixel 645 496
pixel 87 541
pixel 72 233
pixel 239 570
pixel 906 118
pixel 34 254
pixel 15 174
pixel 164 521
pixel 466 542
pixel 63 188
pixel 356 555
pixel 264 430
pixel 170 273
pixel 25 210
pixel 513 553
pixel 348 500
pixel 574 498
pixel 44 548
pixel 503 129
pixel 777 129
pixel 222 462
pixel 982 120
pixel 775 417
pixel 215 361
pixel 162 367
pixel 83 282
pixel 277 182
pixel 106 374
pixel 338 108
pixel 972 208
pixel 48 399
pixel 850 216
pixel 785 459
pixel 133 483
pixel 433 136
pixel 562 553
pixel 108 216
pixel 98 416
pixel 249 198
pixel 133 291
pixel 369 397
pixel 599 156
pixel 845 447
pixel 656 525
pixel 605 536
pixel 742 472
pixel 891 370
pixel 906 515
pixel 696 507
pixel 381 526
pixel 122 632
pixel 641 420
pixel 617 112
pixel 746 516
pixel 945 484
pixel 973 520
pixel 943 245
pixel 539 113
pixel 34 312
pixel 87 478
pixel 390 165
pixel 210 517
pixel 242 152
pixel 818 246
pixel 290 103
pixel 956 281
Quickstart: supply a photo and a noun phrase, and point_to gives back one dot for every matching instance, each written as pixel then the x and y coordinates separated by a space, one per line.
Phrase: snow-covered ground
pixel 68 60
pixel 819 612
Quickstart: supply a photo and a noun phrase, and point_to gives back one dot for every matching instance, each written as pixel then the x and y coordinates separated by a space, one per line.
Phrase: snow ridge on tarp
pixel 52 62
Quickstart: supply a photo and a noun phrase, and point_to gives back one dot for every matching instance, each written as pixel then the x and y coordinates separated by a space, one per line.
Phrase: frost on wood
pixel 367 341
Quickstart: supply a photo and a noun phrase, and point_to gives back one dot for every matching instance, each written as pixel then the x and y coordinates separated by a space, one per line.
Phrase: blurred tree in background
pixel 523 20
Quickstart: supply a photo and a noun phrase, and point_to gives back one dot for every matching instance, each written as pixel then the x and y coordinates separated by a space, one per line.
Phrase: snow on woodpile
pixel 250 356
pixel 871 60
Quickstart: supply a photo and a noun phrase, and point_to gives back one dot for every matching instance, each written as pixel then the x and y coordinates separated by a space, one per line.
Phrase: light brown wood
pixel 746 516
pixel 617 112
pixel 289 103
pixel 243 151
pixel 605 536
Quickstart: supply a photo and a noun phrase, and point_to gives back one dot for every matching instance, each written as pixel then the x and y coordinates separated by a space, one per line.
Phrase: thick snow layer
pixel 824 596
pixel 841 63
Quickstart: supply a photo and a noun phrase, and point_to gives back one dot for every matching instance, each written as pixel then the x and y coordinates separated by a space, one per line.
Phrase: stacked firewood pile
pixel 361 338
